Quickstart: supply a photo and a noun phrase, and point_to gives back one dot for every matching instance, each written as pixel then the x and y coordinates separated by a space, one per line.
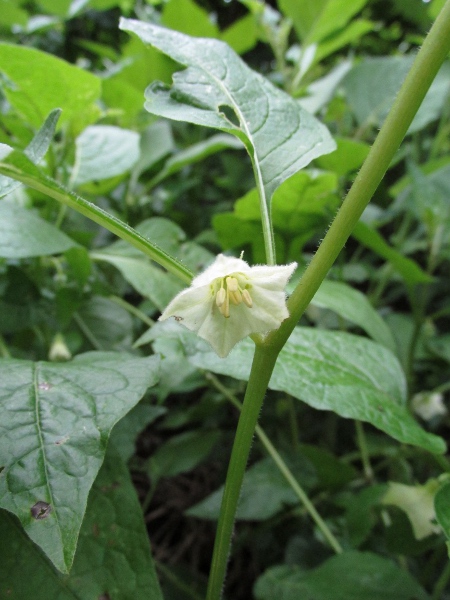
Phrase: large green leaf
pixel 348 576
pixel 35 150
pixel 113 558
pixel 332 370
pixel 36 82
pixel 54 426
pixel 280 136
pixel 23 234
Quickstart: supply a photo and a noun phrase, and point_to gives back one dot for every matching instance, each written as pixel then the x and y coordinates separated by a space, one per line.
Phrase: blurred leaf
pixel 181 453
pixel 315 20
pixel 351 576
pixel 417 501
pixel 242 34
pixel 106 325
pixel 355 307
pixel 331 370
pixel 36 149
pixel 347 35
pixel 12 14
pixel 123 436
pixel 188 17
pixel 64 86
pixel 104 151
pixel 55 423
pixel 360 515
pixel 406 267
pixel 113 558
pixel 196 153
pixel 348 156
pixel 372 85
pixel 280 136
pixel 442 508
pixel 23 234
pixel 264 493
pixel 440 346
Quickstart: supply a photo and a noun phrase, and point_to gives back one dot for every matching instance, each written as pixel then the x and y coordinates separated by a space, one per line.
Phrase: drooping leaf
pixel 350 575
pixel 411 272
pixel 332 370
pixel 35 150
pixel 352 305
pixel 104 151
pixel 280 136
pixel 113 558
pixel 23 234
pixel 64 86
pixel 106 325
pixel 54 426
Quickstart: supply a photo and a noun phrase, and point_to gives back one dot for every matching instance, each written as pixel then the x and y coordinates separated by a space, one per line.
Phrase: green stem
pixel 441 583
pixel 424 69
pixel 33 178
pixel 262 367
pixel 365 458
pixel 428 61
pixel 133 310
pixel 283 468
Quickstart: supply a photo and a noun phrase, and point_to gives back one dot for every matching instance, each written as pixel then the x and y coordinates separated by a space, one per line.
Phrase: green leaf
pixel 314 20
pixel 65 86
pixel 107 325
pixel 347 35
pixel 186 16
pixel 332 370
pixel 19 167
pixel 265 491
pixel 113 558
pixel 348 156
pixel 406 267
pixel 351 576
pixel 181 453
pixel 23 234
pixel 280 136
pixel 442 508
pixel 355 307
pixel 35 150
pixel 372 85
pixel 440 346
pixel 104 151
pixel 123 436
pixel 54 426
pixel 196 153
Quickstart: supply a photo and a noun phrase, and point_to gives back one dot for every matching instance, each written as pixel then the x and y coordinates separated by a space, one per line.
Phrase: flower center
pixel 231 290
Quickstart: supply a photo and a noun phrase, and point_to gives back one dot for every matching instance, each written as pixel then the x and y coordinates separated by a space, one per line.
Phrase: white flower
pixel 429 405
pixel 230 300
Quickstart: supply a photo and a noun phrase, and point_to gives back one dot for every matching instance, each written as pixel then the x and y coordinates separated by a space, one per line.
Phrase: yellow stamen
pixel 232 284
pixel 221 297
pixel 247 299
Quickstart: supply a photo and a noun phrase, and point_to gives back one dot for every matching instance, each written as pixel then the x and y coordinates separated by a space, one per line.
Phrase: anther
pixel 247 299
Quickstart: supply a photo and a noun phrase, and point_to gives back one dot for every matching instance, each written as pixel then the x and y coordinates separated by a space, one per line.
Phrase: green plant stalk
pixel 262 367
pixel 51 188
pixel 283 468
pixel 425 67
pixel 365 458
